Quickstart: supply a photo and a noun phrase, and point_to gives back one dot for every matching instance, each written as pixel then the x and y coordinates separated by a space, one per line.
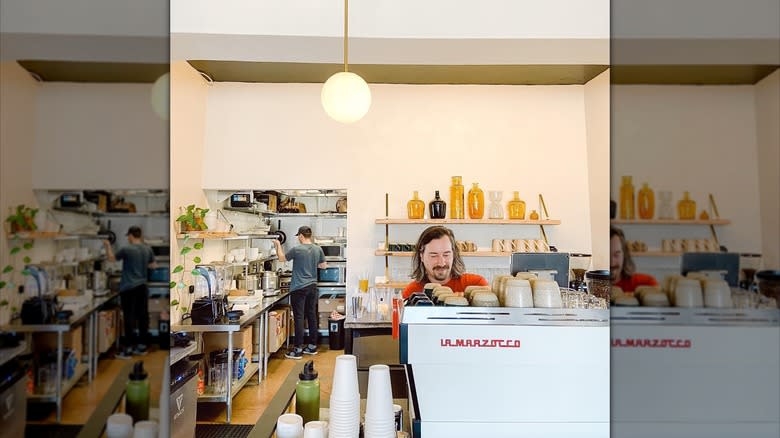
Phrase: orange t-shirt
pixel 630 284
pixel 456 284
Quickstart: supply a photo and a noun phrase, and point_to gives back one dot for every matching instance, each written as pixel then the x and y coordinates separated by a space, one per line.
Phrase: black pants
pixel 135 311
pixel 304 304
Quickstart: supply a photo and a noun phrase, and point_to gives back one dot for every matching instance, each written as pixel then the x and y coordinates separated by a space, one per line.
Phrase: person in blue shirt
pixel 304 295
pixel 137 258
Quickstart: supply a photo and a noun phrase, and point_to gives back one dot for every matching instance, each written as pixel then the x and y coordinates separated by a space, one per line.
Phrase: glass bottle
pixel 496 209
pixel 646 202
pixel 665 210
pixel 307 394
pixel 456 198
pixel 415 208
pixel 476 202
pixel 627 199
pixel 534 216
pixel 437 208
pixel 686 208
pixel 516 207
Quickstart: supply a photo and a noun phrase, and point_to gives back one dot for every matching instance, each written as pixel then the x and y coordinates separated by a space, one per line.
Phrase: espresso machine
pixel 552 265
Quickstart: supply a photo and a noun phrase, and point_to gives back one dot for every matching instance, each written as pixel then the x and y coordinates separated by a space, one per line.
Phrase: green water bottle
pixel 307 394
pixel 137 393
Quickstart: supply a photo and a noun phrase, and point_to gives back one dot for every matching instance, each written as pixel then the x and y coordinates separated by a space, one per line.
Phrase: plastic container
pixel 307 394
pixel 137 393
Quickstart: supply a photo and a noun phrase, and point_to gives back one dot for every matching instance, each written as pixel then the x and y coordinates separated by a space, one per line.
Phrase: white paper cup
pixel 119 426
pixel 316 429
pixel 345 380
pixel 379 403
pixel 145 429
pixel 289 426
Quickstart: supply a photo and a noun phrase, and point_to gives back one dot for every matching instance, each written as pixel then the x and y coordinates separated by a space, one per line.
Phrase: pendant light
pixel 345 95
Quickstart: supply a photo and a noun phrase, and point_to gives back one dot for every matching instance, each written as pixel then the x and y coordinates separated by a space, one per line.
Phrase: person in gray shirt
pixel 137 258
pixel 304 295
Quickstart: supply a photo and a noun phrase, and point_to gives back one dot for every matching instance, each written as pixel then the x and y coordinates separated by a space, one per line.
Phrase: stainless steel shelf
pixel 81 369
pixel 179 353
pixel 249 371
pixel 7 354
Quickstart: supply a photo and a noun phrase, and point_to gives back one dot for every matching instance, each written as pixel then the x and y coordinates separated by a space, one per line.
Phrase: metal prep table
pixel 86 315
pixel 259 317
pixel 695 372
pixel 507 372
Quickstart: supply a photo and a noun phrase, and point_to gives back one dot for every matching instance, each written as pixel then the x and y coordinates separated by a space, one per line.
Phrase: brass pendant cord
pixel 346 29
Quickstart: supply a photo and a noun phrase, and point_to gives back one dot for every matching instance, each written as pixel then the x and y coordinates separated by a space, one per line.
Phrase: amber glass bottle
pixel 476 202
pixel 686 208
pixel 534 216
pixel 456 198
pixel 646 202
pixel 627 199
pixel 415 208
pixel 516 207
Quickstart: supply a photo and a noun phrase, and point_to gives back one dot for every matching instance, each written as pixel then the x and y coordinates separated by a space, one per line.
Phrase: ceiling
pixel 288 72
pixel 95 72
pixel 690 74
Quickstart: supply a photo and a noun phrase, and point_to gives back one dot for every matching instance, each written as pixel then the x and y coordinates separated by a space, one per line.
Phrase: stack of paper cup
pixel 289 426
pixel 119 426
pixel 316 429
pixel 145 429
pixel 380 419
pixel 345 399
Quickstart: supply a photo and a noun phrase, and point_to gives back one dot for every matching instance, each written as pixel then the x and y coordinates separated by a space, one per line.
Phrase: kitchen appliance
pixel 333 249
pixel 13 406
pixel 335 273
pixel 241 200
pixel 213 307
pixel 41 308
pixel 555 264
pixel 248 282
pixel 694 372
pixel 548 372
pixel 285 278
pixel 268 198
pixel 578 265
pixel 269 283
pixel 70 200
pixel 184 398
pixel 341 205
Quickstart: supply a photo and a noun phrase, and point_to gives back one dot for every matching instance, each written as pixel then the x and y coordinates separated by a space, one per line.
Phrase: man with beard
pixel 621 266
pixel 437 260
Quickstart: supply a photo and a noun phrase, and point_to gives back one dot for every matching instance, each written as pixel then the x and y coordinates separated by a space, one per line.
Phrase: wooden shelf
pixel 207 235
pixel 669 222
pixel 655 254
pixel 469 221
pixel 380 252
pixel 30 235
pixel 393 284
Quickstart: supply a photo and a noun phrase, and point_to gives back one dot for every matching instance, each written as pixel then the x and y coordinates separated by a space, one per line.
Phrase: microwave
pixel 334 251
pixel 335 273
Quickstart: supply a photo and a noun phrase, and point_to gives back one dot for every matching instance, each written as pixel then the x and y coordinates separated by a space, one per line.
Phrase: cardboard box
pixel 159 305
pixel 108 321
pixel 278 327
pixel 327 305
pixel 219 341
pixel 323 323
pixel 73 339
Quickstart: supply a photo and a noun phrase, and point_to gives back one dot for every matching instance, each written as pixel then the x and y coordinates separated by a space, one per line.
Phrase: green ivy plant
pixel 9 273
pixel 23 219
pixel 193 219
pixel 181 286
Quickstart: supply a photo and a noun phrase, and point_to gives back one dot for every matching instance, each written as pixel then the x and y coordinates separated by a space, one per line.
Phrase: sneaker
pixel 310 349
pixel 126 353
pixel 140 350
pixel 295 353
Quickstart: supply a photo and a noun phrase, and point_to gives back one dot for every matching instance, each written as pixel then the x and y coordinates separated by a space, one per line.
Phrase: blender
pixel 749 264
pixel 578 265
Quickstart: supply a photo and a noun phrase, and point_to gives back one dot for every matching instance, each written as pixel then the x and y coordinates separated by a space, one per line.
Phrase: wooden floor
pixel 81 401
pixel 251 401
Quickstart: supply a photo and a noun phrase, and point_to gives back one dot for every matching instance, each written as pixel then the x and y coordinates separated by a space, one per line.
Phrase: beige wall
pixel 768 138
pixel 597 132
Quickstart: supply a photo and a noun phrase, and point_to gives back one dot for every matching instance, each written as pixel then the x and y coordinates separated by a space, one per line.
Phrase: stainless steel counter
pixel 689 316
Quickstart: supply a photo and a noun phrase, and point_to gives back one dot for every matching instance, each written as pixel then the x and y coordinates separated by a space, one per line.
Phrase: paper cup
pixel 316 429
pixel 379 404
pixel 145 429
pixel 345 379
pixel 119 426
pixel 289 426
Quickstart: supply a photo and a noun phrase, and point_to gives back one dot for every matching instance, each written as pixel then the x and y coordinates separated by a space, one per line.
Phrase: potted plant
pixel 192 219
pixel 22 220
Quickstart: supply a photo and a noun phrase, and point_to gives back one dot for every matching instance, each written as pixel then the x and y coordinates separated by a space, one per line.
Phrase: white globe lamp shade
pixel 161 96
pixel 346 97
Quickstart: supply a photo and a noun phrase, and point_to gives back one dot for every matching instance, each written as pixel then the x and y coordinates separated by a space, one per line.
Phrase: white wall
pixel 696 138
pixel 526 138
pixel 597 132
pixel 768 137
pixel 99 136
pixel 187 125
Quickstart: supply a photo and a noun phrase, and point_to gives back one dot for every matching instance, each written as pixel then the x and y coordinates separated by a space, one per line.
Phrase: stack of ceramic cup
pixel 119 426
pixel 380 417
pixel 345 399
pixel 289 426
pixel 316 429
pixel 518 293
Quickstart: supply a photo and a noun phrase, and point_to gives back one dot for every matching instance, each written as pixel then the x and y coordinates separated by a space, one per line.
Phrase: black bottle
pixel 437 208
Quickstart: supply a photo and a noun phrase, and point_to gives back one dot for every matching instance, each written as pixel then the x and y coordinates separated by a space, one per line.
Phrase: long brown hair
pixel 432 233
pixel 629 267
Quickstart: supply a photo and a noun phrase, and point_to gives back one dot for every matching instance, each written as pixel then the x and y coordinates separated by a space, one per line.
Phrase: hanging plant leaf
pixel 181 286
pixel 196 260
pixel 171 285
pixel 198 245
pixel 195 272
pixel 28 245
pixel 178 269
pixel 186 238
pixel 3 303
pixel 15 250
pixel 26 259
pixel 175 303
pixel 2 284
pixel 184 309
pixel 8 269
pixel 181 218
pixel 26 272
pixel 185 250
